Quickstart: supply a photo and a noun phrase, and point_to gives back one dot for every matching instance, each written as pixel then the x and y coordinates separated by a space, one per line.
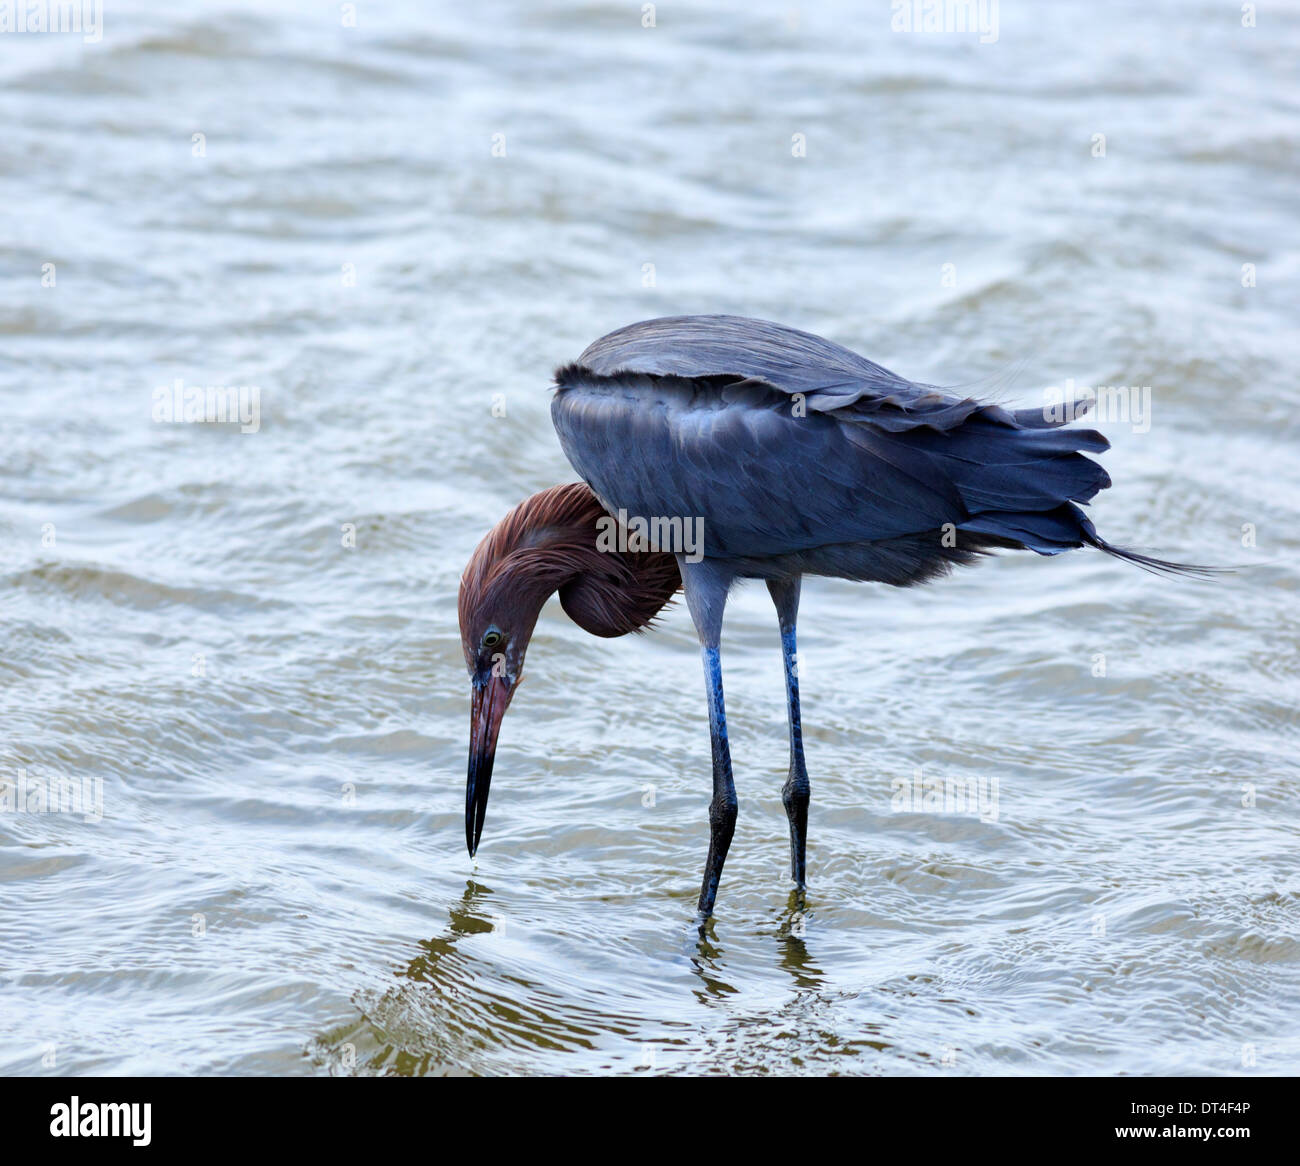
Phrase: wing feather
pixel 782 441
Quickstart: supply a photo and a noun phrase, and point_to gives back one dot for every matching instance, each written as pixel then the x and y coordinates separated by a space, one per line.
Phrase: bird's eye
pixel 492 638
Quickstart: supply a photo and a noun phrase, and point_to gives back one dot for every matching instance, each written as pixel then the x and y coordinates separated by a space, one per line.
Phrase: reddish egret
pixel 800 458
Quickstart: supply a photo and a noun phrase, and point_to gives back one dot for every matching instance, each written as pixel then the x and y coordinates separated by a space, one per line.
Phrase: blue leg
pixel 706 587
pixel 797 790
pixel 723 807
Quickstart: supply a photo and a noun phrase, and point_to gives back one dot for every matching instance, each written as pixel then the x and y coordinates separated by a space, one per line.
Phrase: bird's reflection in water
pixel 408 1030
pixel 792 937
pixel 446 1012
pixel 708 957
pixel 469 916
pixel 706 961
pixel 454 1017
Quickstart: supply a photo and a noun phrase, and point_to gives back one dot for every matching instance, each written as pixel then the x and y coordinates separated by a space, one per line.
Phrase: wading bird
pixel 801 458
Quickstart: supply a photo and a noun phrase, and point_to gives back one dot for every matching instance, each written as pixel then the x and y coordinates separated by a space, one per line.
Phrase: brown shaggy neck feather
pixel 548 543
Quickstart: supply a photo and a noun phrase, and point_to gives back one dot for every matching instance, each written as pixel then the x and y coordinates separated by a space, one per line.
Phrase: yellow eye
pixel 492 637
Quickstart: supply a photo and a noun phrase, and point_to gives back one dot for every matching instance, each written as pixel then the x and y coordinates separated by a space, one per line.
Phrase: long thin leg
pixel 706 587
pixel 797 790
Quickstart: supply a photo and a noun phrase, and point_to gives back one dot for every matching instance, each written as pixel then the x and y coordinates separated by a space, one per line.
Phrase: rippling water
pixel 249 639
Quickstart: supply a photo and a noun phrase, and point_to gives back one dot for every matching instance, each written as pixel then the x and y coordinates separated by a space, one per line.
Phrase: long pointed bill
pixel 488 702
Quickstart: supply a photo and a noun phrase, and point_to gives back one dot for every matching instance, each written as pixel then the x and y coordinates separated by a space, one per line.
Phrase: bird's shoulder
pixel 782 358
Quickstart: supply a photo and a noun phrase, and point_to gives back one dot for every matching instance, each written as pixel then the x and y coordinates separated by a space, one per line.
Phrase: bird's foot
pixel 700 937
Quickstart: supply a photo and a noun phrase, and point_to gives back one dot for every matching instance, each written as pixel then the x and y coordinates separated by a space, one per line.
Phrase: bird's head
pixel 547 543
pixel 495 628
pixel 500 599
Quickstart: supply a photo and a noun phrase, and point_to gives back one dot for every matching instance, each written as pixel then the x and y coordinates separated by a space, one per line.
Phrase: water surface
pixel 250 641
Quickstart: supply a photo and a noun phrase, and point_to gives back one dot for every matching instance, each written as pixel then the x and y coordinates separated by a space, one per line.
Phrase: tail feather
pixel 1154 565
pixel 1049 532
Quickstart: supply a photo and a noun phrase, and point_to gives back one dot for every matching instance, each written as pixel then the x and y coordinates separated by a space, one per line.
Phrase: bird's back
pixel 794 449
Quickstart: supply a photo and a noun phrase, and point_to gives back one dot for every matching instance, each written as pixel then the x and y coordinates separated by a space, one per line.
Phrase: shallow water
pixel 278 720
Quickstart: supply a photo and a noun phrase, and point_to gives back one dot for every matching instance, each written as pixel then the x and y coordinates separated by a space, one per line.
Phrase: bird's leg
pixel 796 793
pixel 723 807
pixel 706 587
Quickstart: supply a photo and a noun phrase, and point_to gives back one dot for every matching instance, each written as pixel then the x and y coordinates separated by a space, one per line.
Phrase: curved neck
pixel 552 542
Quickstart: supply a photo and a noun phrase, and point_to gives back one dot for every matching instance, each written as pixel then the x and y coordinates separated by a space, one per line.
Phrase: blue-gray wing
pixel 782 441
